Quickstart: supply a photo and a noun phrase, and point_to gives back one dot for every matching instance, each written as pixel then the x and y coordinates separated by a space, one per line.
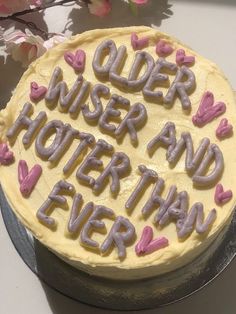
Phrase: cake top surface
pixel 133 166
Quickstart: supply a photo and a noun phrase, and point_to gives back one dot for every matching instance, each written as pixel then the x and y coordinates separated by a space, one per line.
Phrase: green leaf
pixel 133 8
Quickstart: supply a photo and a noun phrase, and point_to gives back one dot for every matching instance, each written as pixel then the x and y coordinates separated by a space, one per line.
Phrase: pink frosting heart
pixel 37 92
pixel 224 129
pixel 181 58
pixel 146 245
pixel 137 43
pixel 157 244
pixel 77 60
pixel 222 196
pixel 163 48
pixel 146 238
pixel 207 110
pixel 28 179
pixel 6 156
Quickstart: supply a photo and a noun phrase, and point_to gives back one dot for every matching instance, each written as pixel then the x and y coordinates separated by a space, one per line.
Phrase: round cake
pixel 117 152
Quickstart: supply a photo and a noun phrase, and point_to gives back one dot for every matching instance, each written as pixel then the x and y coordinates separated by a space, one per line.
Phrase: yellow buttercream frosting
pixel 59 240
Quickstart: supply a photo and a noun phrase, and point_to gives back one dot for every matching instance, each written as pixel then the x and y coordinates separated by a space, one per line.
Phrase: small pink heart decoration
pixel 6 156
pixel 138 43
pixel 222 196
pixel 147 245
pixel 26 178
pixel 181 58
pixel 37 92
pixel 77 60
pixel 224 129
pixel 163 48
pixel 207 110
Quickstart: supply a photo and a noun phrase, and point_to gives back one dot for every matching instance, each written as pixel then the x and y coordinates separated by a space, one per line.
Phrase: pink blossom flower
pixel 23 47
pixel 140 2
pixel 99 7
pixel 9 7
pixel 53 41
pixel 36 3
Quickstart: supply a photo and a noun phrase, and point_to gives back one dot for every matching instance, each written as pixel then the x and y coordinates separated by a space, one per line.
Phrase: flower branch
pixel 24 46
pixel 44 34
pixel 38 8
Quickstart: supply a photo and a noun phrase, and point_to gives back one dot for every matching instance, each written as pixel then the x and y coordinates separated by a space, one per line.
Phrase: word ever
pixel 174 207
pixel 196 164
pixel 87 220
pixel 152 77
pixel 65 134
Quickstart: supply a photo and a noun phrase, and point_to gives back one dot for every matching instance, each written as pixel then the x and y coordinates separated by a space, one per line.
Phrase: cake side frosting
pixel 59 239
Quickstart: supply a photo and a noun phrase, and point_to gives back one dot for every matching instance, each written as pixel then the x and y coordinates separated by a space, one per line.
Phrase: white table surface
pixel 207 26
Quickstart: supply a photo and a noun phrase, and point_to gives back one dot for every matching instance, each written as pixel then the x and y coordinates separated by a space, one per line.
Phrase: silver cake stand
pixel 122 295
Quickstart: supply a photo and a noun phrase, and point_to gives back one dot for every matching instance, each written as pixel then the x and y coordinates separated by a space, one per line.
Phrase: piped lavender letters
pixel 196 163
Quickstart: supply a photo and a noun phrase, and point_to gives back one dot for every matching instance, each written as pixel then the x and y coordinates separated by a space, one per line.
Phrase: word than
pixel 173 207
pixel 87 220
pixel 65 134
pixel 196 164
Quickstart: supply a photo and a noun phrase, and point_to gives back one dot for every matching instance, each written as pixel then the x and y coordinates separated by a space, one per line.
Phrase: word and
pixel 196 164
